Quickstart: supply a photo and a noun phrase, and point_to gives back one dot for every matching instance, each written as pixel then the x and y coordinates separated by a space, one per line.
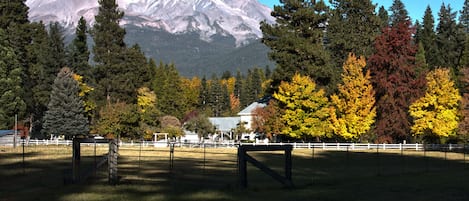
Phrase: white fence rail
pixel 322 146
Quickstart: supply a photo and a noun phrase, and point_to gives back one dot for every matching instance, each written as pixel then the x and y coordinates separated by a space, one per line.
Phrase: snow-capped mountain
pixel 237 18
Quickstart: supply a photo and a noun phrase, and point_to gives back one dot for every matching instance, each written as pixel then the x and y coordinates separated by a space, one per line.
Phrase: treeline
pixel 384 91
pixel 58 90
pixel 416 72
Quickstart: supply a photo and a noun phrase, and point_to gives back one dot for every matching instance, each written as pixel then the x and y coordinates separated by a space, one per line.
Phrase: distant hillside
pixel 195 57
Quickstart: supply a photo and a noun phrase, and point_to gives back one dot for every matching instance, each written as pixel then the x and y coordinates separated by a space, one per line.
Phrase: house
pixel 246 115
pixel 224 127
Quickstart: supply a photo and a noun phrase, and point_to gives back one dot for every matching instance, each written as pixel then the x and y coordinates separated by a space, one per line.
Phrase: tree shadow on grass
pixel 212 175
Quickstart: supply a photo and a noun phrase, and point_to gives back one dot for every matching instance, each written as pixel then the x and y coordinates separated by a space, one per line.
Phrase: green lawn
pixel 317 175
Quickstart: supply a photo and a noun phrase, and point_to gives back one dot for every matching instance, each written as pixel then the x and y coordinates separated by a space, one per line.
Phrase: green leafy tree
pixel 171 125
pixel 353 27
pixel 306 109
pixel 297 42
pixel 353 111
pixel 65 114
pixel 11 90
pixel 146 102
pixel 119 120
pixel 200 124
pixel 436 114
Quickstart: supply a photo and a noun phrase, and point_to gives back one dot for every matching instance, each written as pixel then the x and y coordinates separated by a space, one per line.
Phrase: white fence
pixel 296 145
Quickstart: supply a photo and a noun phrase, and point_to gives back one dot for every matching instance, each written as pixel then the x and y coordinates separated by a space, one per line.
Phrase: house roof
pixel 250 109
pixel 225 124
pixel 6 132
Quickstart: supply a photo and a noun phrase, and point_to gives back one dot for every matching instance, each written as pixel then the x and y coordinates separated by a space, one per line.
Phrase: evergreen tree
pixel 216 97
pixel 436 114
pixel 427 37
pixel 465 54
pixel 57 48
pixel 65 114
pixel 296 41
pixel 14 21
pixel 204 94
pixel 394 80
pixel 15 24
pixel 354 111
pixel 464 16
pixel 41 74
pixel 448 39
pixel 384 17
pixel 109 51
pixel 11 90
pixel 421 66
pixel 78 53
pixel 168 90
pixel 353 26
pixel 418 31
pixel 398 13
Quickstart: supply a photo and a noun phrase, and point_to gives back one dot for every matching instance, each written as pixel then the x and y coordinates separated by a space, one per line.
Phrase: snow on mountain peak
pixel 239 18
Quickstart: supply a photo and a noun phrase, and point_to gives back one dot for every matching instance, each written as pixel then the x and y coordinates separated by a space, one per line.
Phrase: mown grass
pixel 145 174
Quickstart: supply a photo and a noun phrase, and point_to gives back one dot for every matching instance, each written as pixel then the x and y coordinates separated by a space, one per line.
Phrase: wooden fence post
pixel 112 161
pixel 76 160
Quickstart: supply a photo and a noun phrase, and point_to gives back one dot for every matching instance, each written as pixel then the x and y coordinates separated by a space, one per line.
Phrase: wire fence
pixel 216 164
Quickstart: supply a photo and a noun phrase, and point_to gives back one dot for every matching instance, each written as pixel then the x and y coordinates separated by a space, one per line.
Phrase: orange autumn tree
pixel 268 120
pixel 353 111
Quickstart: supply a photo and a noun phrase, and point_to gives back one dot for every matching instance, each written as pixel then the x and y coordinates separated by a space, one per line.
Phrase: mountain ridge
pixel 200 37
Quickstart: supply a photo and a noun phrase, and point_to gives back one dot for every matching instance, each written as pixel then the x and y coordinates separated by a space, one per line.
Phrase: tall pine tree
pixel 464 16
pixel 78 53
pixel 384 17
pixel 296 41
pixel 449 40
pixel 11 90
pixel 353 26
pixel 108 50
pixel 427 37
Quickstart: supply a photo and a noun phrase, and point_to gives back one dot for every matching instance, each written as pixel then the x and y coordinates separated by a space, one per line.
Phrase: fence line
pixel 296 145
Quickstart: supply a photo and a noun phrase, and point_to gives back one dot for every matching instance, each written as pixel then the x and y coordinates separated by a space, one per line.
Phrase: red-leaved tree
pixel 392 69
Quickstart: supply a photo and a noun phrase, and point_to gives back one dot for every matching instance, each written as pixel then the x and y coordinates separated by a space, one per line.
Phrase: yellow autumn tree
pixel 148 113
pixel 305 108
pixel 84 93
pixel 353 110
pixel 436 113
pixel 191 93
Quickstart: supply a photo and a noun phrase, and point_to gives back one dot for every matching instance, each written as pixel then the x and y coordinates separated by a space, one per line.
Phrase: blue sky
pixel 416 8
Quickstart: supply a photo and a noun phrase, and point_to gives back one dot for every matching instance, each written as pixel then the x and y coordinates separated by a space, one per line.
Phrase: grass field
pixel 145 174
